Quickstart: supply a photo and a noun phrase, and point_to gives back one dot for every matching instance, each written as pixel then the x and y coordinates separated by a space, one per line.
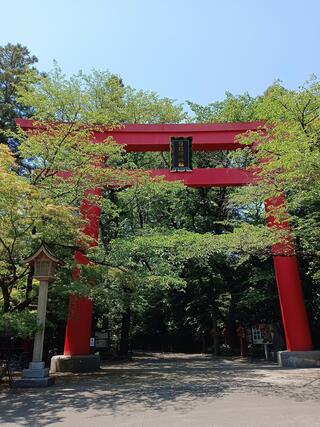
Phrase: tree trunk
pixel 215 334
pixel 125 331
pixel 231 324
pixel 6 298
pixel 29 282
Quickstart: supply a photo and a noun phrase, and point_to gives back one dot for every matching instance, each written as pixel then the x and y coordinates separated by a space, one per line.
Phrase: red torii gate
pixel 205 137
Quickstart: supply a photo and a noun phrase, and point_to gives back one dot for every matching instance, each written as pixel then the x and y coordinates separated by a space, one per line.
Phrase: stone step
pixel 35 373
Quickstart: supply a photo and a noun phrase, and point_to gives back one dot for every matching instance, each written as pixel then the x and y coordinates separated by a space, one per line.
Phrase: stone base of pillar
pixel 299 359
pixel 89 363
pixel 36 376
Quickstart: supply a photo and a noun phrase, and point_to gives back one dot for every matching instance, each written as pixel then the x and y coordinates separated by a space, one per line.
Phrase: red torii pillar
pixel 293 311
pixel 79 321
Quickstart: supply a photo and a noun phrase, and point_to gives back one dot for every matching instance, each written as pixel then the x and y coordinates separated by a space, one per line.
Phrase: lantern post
pixel 44 263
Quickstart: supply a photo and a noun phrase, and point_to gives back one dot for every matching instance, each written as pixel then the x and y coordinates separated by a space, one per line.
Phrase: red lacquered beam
pixel 144 137
pixel 216 177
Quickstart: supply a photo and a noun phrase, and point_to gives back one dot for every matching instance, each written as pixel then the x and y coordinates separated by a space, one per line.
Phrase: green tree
pixel 289 160
pixel 28 216
pixel 15 62
pixel 41 204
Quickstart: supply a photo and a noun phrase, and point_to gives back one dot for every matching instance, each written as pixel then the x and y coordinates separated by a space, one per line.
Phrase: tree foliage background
pixel 172 265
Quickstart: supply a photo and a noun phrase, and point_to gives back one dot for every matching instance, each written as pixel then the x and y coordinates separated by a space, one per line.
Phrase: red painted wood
pixel 294 316
pixel 293 311
pixel 79 321
pixel 199 178
pixel 205 137
pixel 165 127
pixel 286 245
pixel 78 329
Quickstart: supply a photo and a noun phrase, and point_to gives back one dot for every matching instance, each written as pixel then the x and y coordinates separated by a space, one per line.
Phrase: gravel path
pixel 172 390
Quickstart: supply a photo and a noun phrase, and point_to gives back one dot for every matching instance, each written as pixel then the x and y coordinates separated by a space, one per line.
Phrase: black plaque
pixel 181 154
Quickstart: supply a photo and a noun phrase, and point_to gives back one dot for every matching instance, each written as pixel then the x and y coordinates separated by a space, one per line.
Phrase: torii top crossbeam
pixel 145 137
pixel 205 137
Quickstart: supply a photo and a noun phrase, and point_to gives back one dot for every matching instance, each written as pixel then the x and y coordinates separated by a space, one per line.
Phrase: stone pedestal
pixel 89 363
pixel 36 376
pixel 299 359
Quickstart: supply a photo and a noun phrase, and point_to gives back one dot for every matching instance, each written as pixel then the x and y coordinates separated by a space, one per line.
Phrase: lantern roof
pixel 42 250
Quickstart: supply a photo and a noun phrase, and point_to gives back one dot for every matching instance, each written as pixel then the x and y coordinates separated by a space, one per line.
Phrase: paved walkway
pixel 172 390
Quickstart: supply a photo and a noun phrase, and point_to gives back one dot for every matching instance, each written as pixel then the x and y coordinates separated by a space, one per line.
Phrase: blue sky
pixel 191 49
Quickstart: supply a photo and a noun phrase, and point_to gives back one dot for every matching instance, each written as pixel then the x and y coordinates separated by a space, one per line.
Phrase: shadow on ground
pixel 157 382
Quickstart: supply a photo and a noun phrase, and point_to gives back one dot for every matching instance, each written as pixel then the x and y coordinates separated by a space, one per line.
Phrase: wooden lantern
pixel 44 263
